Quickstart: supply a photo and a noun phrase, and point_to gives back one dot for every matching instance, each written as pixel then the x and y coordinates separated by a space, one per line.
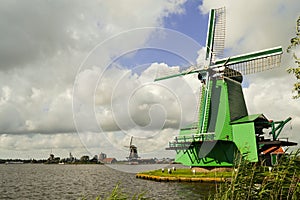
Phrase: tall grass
pixel 256 181
pixel 118 194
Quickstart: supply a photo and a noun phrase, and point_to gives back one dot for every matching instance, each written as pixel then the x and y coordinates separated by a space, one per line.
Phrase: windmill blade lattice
pixel 216 34
pixel 252 62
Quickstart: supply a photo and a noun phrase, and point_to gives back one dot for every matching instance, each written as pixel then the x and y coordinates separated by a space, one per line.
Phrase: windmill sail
pixel 215 34
pixel 130 141
pixel 186 72
pixel 252 62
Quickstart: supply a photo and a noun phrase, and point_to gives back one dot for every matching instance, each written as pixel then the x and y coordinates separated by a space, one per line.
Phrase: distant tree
pixel 94 159
pixel 295 43
pixel 84 159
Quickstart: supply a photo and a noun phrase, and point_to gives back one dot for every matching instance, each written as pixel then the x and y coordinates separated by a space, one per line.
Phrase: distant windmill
pixel 224 126
pixel 133 154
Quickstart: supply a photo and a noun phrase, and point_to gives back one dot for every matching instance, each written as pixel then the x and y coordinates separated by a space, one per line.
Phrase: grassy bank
pixel 187 173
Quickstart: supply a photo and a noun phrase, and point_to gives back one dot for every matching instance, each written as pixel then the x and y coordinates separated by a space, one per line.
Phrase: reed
pixel 256 181
pixel 118 194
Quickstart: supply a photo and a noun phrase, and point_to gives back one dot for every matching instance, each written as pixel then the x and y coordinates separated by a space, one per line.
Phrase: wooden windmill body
pixel 224 127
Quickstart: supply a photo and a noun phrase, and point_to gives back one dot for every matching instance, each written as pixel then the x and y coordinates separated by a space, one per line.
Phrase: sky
pixel 79 76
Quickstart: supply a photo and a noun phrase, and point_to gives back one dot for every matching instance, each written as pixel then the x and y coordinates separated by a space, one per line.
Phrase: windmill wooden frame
pixel 224 127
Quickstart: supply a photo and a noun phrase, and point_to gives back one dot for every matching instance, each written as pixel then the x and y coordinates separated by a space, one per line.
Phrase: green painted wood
pixel 204 109
pixel 210 34
pixel 223 129
pixel 248 57
pixel 202 71
pixel 248 118
pixel 210 154
pixel 245 140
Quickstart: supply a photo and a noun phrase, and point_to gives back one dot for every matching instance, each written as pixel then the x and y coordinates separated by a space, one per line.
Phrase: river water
pixel 39 181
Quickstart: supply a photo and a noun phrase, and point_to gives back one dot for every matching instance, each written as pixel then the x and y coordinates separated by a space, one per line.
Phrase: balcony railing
pixel 185 141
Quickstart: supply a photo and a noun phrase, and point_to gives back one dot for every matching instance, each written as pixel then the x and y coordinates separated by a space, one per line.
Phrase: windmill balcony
pixel 186 141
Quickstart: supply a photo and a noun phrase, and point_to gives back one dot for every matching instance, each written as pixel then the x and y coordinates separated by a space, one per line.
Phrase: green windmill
pixel 224 126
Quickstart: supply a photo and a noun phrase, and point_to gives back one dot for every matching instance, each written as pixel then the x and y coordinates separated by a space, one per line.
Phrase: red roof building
pixel 109 160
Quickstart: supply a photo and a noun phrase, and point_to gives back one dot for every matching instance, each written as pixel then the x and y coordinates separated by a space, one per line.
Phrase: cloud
pixel 109 97
pixel 41 48
pixel 136 101
pixel 124 104
pixel 36 30
pixel 39 146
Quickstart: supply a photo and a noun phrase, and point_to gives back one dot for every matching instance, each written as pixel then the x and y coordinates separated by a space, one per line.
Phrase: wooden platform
pixel 180 179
